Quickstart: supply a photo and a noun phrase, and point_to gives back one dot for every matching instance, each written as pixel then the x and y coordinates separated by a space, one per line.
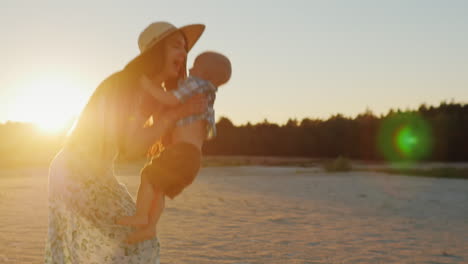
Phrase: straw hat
pixel 157 31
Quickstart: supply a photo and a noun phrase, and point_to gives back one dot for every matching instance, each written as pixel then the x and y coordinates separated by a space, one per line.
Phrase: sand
pixel 273 215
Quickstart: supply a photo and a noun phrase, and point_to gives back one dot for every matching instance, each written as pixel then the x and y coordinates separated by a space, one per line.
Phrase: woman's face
pixel 175 56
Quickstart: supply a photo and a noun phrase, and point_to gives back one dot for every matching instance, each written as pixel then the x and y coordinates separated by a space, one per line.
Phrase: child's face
pixel 196 71
pixel 212 67
pixel 205 73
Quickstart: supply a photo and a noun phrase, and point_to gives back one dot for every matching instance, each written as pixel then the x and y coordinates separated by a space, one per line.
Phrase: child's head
pixel 213 67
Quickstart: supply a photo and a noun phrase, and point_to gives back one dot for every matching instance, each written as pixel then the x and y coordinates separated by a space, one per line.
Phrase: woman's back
pixel 84 194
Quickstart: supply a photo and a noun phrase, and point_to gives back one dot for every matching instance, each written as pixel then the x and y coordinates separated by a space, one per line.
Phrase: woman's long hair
pixel 121 88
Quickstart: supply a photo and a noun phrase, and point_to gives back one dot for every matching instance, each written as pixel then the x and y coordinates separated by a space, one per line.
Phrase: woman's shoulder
pixel 113 80
pixel 117 84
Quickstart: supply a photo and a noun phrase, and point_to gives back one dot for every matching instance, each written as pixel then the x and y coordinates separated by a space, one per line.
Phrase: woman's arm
pixel 158 93
pixel 137 139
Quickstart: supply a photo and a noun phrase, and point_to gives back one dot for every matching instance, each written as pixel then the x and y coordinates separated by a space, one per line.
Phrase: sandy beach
pixel 256 214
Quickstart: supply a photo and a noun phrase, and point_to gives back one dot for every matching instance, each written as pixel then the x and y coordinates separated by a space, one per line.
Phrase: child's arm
pixel 184 91
pixel 159 94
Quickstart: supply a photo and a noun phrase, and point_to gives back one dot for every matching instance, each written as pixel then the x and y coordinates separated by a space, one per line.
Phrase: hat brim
pixel 191 32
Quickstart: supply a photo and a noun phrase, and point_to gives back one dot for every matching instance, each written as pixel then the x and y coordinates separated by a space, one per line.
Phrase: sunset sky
pixel 291 59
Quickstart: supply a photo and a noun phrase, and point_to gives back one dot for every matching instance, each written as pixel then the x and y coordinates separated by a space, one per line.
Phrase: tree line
pixel 429 133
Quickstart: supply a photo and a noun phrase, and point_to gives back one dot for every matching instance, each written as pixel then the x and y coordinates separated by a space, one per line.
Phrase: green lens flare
pixel 407 140
pixel 405 137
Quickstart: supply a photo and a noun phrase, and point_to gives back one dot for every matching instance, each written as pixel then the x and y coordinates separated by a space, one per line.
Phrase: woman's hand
pixel 194 106
pixel 137 142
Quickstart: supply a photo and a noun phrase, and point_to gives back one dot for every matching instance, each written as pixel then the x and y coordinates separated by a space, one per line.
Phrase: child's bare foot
pixel 133 220
pixel 141 234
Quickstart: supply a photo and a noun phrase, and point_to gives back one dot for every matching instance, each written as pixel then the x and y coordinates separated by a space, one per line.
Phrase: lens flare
pixel 405 137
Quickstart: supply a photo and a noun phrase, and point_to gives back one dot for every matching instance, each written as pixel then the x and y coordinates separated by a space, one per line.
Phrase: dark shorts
pixel 174 168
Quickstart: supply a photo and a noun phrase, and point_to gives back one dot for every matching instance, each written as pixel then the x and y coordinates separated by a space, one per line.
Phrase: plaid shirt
pixel 190 87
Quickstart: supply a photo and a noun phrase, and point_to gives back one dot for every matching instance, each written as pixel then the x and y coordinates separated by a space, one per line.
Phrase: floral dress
pixel 85 197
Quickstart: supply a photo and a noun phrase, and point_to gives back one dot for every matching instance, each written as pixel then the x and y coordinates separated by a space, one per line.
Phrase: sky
pixel 290 59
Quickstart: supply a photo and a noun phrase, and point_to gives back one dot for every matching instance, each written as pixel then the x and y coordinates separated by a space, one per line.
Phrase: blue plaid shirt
pixel 190 87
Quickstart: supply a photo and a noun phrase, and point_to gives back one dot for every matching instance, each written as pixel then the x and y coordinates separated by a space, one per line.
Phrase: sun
pixel 52 124
pixel 50 102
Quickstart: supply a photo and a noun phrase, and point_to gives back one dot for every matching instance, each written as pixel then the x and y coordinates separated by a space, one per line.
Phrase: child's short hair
pixel 217 66
pixel 174 169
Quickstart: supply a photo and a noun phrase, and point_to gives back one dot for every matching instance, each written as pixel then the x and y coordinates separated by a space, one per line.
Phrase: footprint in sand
pixel 280 220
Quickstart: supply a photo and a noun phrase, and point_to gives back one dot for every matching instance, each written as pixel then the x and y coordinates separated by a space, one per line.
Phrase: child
pixel 177 165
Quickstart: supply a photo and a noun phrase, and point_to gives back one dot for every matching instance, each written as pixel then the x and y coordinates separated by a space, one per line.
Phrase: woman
pixel 84 195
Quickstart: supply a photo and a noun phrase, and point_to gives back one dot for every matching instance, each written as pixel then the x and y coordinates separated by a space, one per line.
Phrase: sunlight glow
pixel 50 102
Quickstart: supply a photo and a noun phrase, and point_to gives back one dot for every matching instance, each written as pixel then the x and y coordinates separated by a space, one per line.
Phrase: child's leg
pixel 144 203
pixel 149 231
pixel 157 207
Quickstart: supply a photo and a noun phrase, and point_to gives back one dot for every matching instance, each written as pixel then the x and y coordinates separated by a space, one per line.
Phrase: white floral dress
pixel 85 198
